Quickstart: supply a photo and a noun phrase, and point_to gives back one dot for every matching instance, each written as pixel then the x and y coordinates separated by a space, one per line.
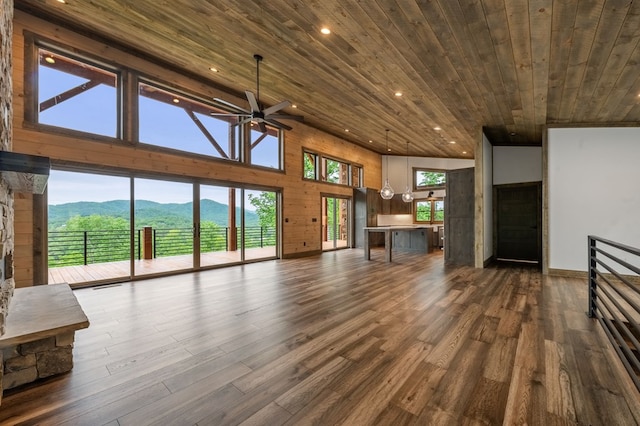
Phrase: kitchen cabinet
pixel 418 240
pixel 396 206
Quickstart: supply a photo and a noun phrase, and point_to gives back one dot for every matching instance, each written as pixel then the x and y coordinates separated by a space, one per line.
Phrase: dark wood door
pixel 518 222
pixel 459 234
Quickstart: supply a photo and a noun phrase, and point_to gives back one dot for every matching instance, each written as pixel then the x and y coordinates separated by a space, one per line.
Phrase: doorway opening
pixel 336 222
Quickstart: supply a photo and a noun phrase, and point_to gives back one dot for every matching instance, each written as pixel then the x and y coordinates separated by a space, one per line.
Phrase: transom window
pixel 327 169
pixel 428 179
pixel 171 120
pixel 77 94
pixel 83 95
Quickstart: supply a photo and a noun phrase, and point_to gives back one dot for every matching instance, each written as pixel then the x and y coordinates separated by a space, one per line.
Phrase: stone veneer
pixel 42 358
pixel 6 118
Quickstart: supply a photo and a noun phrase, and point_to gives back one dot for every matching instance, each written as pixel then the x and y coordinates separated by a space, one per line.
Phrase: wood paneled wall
pixel 301 199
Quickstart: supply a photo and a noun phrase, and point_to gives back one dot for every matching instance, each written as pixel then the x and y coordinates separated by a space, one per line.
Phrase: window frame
pixel 417 187
pixel 432 220
pixel 33 45
pixel 127 105
pixel 320 161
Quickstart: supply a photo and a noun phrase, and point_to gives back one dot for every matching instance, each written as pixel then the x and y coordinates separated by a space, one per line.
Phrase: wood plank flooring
pixel 334 339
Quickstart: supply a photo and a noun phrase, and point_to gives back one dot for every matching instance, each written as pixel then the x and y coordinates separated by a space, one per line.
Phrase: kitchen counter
pixel 408 237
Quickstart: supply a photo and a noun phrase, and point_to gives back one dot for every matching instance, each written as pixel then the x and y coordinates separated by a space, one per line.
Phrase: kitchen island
pixel 417 238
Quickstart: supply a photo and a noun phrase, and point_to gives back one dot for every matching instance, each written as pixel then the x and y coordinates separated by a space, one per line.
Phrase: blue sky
pixel 95 111
pixel 69 187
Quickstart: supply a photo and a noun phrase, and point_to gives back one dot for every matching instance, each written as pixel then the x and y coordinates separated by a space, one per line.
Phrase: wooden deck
pixel 335 339
pixel 104 272
pixel 116 271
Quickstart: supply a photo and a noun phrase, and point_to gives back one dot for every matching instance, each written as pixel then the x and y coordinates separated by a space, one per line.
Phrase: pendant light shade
pixel 387 191
pixel 407 195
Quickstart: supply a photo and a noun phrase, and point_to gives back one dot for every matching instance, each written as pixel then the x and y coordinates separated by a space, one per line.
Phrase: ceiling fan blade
pixel 277 124
pixel 276 107
pixel 285 117
pixel 252 101
pixel 230 105
pixel 229 114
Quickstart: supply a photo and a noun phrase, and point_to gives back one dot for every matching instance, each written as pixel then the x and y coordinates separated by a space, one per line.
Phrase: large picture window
pixel 265 148
pixel 424 179
pixel 171 120
pixel 77 94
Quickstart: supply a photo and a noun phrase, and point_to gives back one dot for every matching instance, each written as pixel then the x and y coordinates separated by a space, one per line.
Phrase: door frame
pixel 538 186
pixel 350 220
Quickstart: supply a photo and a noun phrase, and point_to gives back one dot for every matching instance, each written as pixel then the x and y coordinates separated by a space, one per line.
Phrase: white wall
pixel 398 170
pixel 517 164
pixel 487 202
pixel 593 176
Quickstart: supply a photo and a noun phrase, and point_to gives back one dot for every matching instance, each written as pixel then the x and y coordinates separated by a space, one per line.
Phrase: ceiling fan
pixel 256 115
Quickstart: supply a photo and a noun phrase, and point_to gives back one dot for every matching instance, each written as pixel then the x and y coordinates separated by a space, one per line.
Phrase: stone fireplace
pixel 6 198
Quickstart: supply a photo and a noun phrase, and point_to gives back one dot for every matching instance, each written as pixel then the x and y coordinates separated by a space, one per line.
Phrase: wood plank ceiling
pixel 508 66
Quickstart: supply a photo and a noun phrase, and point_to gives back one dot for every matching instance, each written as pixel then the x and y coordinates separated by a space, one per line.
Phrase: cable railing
pixel 614 298
pixel 71 248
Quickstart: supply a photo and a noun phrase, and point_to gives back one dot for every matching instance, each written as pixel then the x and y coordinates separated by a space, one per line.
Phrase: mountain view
pixel 96 232
pixel 148 213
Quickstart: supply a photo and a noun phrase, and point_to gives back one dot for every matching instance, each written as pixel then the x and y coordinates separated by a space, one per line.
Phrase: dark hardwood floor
pixel 335 339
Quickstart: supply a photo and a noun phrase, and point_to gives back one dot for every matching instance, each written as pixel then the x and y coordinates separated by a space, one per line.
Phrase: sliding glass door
pixel 218 226
pixel 260 224
pixel 92 239
pixel 163 227
pixel 88 227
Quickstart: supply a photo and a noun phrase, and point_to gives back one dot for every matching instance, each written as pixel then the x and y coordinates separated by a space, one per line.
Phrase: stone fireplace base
pixel 42 358
pixel 40 331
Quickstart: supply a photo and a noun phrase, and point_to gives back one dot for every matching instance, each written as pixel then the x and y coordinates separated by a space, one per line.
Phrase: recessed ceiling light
pixel 294 106
pixel 464 152
pixel 213 69
pixel 370 141
pixel 452 142
pixel 62 1
pixel 397 94
pixel 176 100
pixel 346 130
pixel 50 59
pixel 325 31
pixel 437 128
pixel 389 149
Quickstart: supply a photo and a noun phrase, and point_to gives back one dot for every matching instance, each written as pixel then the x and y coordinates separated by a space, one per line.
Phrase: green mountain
pixel 149 213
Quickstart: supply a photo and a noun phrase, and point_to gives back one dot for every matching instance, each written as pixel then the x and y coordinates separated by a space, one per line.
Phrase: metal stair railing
pixel 614 298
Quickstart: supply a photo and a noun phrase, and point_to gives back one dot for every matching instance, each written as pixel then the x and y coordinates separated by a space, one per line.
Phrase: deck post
pixel 147 234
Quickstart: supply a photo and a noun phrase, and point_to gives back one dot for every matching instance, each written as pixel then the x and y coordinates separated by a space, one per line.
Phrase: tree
pixel 265 204
pixel 428 178
pixel 95 238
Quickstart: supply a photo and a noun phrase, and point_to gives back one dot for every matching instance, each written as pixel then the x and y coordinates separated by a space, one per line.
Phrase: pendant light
pixel 407 195
pixel 387 191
